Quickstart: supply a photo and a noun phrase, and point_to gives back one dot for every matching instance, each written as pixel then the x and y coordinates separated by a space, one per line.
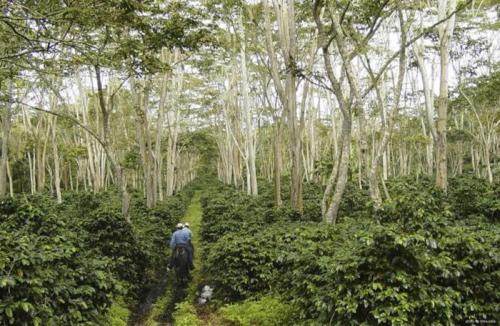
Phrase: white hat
pixel 186 224
pixel 179 225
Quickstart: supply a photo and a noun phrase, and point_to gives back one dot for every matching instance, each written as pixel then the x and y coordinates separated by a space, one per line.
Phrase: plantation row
pixel 424 258
pixel 69 264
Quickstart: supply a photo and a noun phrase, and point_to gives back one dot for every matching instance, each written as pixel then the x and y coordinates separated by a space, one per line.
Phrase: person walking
pixel 190 244
pixel 180 238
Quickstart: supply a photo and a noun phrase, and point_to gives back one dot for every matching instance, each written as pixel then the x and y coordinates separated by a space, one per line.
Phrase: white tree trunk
pixel 249 130
pixel 57 169
pixel 4 159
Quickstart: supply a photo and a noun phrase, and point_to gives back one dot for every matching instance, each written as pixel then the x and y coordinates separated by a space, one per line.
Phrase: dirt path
pixel 159 304
pixel 193 217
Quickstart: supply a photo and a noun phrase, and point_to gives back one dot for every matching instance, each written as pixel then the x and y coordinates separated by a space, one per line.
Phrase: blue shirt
pixel 189 232
pixel 180 237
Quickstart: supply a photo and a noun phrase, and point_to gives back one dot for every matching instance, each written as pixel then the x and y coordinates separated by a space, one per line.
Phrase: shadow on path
pixel 168 287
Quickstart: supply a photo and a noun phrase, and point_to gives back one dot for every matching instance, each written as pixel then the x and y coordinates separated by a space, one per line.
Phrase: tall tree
pixel 445 32
pixel 285 17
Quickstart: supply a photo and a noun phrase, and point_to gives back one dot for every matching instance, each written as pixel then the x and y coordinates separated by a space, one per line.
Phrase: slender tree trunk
pixel 277 164
pixel 41 159
pixel 249 132
pixel 31 163
pixel 285 13
pixel 291 93
pixel 11 183
pixel 445 7
pixel 117 169
pixel 4 160
pixel 387 125
pixel 332 212
pixel 141 95
pixel 55 153
pixel 173 129
pixel 159 126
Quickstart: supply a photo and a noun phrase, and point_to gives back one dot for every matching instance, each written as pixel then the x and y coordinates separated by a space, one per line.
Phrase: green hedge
pixel 47 277
pixel 416 261
pixel 66 264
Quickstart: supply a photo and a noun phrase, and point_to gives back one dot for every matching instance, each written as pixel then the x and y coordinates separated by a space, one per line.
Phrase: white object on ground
pixel 206 295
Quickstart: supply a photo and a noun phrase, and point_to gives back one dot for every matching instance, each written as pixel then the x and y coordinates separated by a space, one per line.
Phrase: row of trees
pixel 92 94
pixel 347 88
pixel 116 92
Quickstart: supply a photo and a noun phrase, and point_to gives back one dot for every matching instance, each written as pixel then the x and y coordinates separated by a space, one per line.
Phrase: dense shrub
pixel 185 315
pixel 281 214
pixel 355 201
pixel 229 211
pixel 473 197
pixel 269 311
pixel 413 207
pixel 411 262
pixel 107 234
pixel 66 264
pixel 384 275
pixel 46 275
pixel 240 264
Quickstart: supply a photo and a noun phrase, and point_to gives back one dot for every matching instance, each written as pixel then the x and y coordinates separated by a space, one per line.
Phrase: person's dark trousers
pixel 191 254
pixel 171 260
pixel 190 251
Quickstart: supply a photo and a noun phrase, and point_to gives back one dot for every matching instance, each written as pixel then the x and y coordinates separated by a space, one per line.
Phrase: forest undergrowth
pixel 423 258
pixel 80 262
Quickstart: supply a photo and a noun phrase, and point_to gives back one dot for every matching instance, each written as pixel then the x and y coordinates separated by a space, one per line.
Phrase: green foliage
pixel 355 201
pixel 247 260
pixel 473 197
pixel 107 234
pixel 118 314
pixel 229 212
pixel 268 310
pixel 419 260
pixel 414 206
pixel 66 264
pixel 385 275
pixel 47 277
pixel 185 315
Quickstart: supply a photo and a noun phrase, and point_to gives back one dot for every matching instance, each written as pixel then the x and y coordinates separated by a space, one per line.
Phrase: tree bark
pixel 387 125
pixel 285 13
pixel 277 164
pixel 249 130
pixel 343 167
pixel 57 169
pixel 115 166
pixel 4 160
pixel 445 8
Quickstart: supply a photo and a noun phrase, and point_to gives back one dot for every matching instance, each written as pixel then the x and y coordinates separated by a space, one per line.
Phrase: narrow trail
pixel 159 303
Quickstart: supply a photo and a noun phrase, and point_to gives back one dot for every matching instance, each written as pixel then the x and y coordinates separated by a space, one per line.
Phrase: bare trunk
pixel 31 163
pixel 11 183
pixel 249 132
pixel 291 93
pixel 445 7
pixel 159 127
pixel 173 129
pixel 116 168
pixel 332 212
pixel 285 14
pixel 4 160
pixel 141 94
pixel 55 153
pixel 387 125
pixel 277 164
pixel 40 157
